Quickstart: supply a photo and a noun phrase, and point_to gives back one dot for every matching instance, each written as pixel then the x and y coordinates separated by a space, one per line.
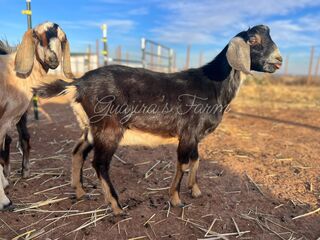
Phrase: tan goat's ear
pixel 25 54
pixel 238 55
pixel 66 60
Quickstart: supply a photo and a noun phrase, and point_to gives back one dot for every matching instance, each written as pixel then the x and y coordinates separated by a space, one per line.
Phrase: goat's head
pixel 254 50
pixel 48 43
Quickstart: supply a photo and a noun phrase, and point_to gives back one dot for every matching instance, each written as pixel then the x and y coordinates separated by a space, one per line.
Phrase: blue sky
pixel 207 25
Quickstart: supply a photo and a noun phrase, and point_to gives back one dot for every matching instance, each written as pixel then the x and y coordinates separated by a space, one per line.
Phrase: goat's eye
pixel 254 40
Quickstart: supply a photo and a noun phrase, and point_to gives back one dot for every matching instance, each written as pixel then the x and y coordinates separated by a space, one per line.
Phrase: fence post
pixel 159 58
pixel 28 12
pixel 175 61
pixel 309 79
pixel 152 65
pixel 105 46
pixel 170 60
pixel 127 58
pixel 89 57
pixel 188 57
pixel 97 52
pixel 286 66
pixel 317 69
pixel 200 59
pixel 143 49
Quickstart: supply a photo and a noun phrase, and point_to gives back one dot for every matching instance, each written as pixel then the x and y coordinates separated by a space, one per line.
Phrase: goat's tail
pixel 48 90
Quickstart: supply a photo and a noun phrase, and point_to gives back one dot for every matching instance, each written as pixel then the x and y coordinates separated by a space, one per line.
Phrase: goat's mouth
pixel 271 67
pixel 277 65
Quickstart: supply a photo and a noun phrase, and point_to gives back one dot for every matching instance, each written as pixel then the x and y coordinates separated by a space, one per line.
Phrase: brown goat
pixel 115 100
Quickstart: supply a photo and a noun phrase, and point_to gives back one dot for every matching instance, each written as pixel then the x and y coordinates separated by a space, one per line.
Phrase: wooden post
pixel 174 61
pixel 97 53
pixel 171 53
pixel 120 54
pixel 309 79
pixel 200 59
pixel 89 57
pixel 159 52
pixel 151 57
pixel 317 69
pixel 127 58
pixel 188 57
pixel 286 66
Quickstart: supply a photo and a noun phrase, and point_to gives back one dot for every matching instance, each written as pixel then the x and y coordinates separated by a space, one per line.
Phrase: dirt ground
pixel 259 170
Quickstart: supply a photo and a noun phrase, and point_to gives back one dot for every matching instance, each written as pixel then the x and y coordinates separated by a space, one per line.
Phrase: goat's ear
pixel 66 60
pixel 25 54
pixel 238 55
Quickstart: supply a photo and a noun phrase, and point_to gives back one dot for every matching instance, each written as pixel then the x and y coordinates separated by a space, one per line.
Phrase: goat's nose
pixel 279 58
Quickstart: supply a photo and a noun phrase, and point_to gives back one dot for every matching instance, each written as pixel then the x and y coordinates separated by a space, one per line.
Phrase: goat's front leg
pixel 192 178
pixel 24 139
pixel 79 155
pixel 105 146
pixel 5 155
pixel 193 169
pixel 186 150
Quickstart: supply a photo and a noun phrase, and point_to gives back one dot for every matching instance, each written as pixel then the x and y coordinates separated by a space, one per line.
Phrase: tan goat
pixel 41 49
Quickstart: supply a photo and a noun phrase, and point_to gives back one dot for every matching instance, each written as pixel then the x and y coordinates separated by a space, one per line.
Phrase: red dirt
pixel 274 144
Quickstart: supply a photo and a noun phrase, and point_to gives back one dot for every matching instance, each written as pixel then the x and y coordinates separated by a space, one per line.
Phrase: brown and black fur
pixel 216 83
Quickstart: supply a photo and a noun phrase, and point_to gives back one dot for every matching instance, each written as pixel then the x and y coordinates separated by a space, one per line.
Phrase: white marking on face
pixel 41 28
pixel 55 46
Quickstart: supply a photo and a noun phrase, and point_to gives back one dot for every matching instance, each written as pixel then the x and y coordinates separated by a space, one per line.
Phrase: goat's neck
pixel 37 73
pixel 226 80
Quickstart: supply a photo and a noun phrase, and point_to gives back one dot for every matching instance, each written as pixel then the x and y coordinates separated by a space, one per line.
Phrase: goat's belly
pixel 140 138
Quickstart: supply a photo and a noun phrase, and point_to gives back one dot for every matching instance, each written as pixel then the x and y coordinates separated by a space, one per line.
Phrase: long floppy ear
pixel 238 55
pixel 25 54
pixel 66 60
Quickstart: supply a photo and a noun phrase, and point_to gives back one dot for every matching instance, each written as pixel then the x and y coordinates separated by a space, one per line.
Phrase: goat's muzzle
pixel 274 62
pixel 52 62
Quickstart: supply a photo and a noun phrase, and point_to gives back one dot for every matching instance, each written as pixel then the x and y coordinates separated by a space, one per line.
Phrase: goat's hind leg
pixel 79 155
pixel 24 139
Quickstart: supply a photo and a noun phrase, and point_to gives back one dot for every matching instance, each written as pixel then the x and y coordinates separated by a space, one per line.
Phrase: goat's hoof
pixel 195 191
pixel 119 212
pixel 25 173
pixel 6 205
pixel 80 193
pixel 176 202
